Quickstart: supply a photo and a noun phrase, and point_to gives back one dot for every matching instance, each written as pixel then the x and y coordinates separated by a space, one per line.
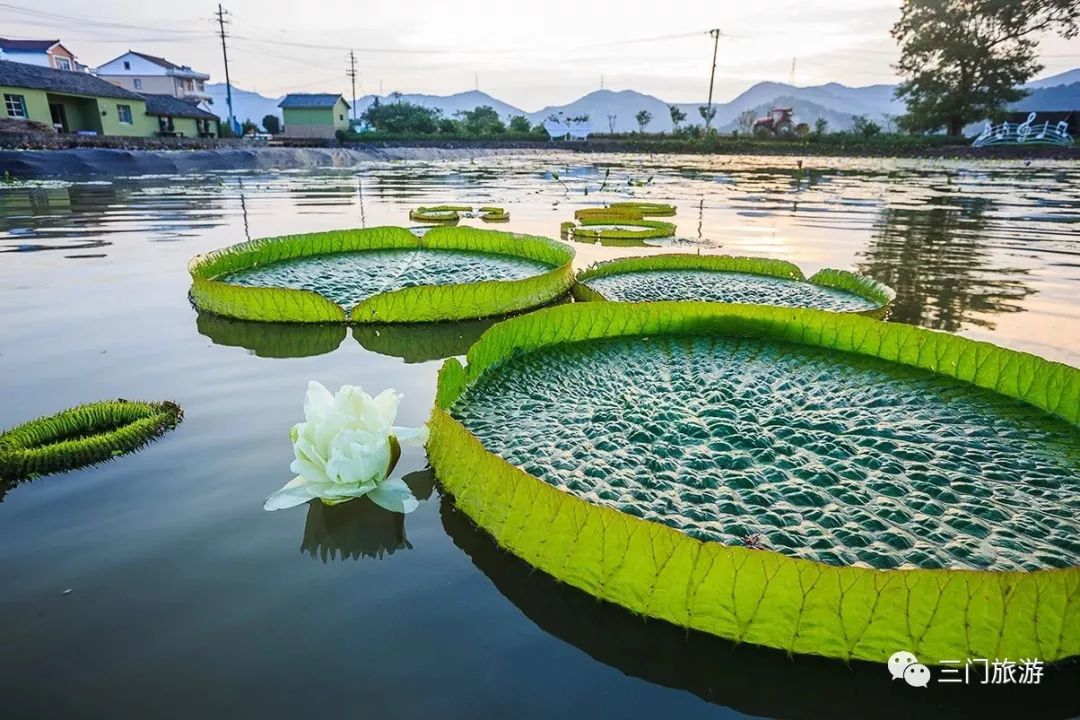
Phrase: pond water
pixel 156 585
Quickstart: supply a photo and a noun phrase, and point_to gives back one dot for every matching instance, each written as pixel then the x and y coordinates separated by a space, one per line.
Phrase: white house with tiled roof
pixel 43 53
pixel 144 73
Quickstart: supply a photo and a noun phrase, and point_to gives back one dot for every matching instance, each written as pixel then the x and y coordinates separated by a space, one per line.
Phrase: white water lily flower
pixel 346 448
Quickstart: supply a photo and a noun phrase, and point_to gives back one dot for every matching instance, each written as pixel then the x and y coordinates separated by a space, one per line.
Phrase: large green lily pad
pixel 805 480
pixel 382 275
pixel 721 278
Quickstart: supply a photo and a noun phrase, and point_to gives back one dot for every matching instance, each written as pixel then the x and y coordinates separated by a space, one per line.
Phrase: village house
pixel 78 102
pixel 314 115
pixel 144 73
pixel 43 53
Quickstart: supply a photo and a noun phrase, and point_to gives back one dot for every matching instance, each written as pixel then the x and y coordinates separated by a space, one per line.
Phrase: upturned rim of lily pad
pixel 754 595
pixel 844 280
pixel 420 303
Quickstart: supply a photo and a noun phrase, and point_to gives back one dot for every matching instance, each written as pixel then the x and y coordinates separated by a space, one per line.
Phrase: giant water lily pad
pixel 382 275
pixel 805 480
pixel 721 278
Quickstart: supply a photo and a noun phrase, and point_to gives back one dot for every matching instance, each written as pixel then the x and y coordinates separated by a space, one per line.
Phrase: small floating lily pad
pixel 719 278
pixel 83 435
pixel 450 214
pixel 382 275
pixel 778 476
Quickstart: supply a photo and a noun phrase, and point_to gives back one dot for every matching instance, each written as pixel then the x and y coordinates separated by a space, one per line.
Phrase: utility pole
pixel 791 80
pixel 476 80
pixel 351 72
pixel 715 33
pixel 601 82
pixel 225 54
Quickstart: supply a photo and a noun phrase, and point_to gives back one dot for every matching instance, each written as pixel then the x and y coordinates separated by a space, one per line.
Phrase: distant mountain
pixel 834 102
pixel 246 104
pixel 623 105
pixel 1066 78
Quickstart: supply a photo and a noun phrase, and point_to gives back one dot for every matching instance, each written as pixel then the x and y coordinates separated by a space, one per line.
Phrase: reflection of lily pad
pixel 422 342
pixel 82 436
pixel 272 340
pixel 382 274
pixel 742 677
pixel 722 278
pixel 642 451
pixel 360 528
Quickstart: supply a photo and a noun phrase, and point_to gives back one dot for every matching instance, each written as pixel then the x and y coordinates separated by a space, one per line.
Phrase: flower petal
pixel 394 495
pixel 317 401
pixel 295 492
pixel 410 437
pixel 387 403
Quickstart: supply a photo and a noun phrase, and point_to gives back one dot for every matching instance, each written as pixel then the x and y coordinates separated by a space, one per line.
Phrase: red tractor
pixel 777 123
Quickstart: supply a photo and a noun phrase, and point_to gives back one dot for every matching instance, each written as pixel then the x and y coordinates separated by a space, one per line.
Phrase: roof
pixel 170 106
pixel 311 100
pixel 155 59
pixel 20 75
pixel 27 45
pixel 170 68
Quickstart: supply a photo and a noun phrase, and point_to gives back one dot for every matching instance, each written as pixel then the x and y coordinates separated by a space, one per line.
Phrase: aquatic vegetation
pixel 346 448
pixel 620 221
pixel 619 228
pixel 647 209
pixel 723 278
pixel 867 435
pixel 272 340
pixel 356 530
pixel 83 435
pixel 384 274
pixel 422 342
pixel 450 214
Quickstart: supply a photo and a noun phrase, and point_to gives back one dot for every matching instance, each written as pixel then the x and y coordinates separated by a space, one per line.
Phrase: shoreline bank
pixel 95 161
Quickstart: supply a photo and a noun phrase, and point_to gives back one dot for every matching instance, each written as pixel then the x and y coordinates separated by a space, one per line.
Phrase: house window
pixel 340 117
pixel 123 114
pixel 127 65
pixel 62 63
pixel 138 83
pixel 16 106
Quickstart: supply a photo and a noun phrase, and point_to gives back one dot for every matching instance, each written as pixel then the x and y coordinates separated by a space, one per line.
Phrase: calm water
pixel 156 586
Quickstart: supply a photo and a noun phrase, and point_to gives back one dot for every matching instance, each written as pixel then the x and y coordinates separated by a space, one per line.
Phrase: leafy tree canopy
pixel 483 120
pixel 401 117
pixel 964 60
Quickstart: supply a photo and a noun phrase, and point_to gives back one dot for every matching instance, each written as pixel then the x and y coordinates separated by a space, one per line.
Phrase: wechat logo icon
pixel 905 665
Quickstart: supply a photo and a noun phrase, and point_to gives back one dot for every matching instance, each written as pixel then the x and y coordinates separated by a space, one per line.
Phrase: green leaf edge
pixel 860 285
pixel 796 605
pixel 423 303
pixel 649 229
pixel 27 450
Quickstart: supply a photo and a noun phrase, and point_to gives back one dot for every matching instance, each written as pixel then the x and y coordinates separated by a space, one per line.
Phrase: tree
pixel 677 115
pixel 483 120
pixel 746 121
pixel 448 126
pixel 644 117
pixel 401 118
pixel 271 124
pixel 821 126
pixel 611 123
pixel 965 60
pixel 519 124
pixel 707 114
pixel 248 127
pixel 865 126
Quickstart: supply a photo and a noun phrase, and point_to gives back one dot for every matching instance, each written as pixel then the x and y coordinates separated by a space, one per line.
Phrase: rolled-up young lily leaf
pixel 83 435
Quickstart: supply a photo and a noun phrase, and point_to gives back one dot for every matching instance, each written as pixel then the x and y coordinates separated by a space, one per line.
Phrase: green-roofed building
pixel 314 115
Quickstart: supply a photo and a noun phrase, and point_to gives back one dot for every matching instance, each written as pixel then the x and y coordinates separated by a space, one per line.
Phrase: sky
pixel 530 53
